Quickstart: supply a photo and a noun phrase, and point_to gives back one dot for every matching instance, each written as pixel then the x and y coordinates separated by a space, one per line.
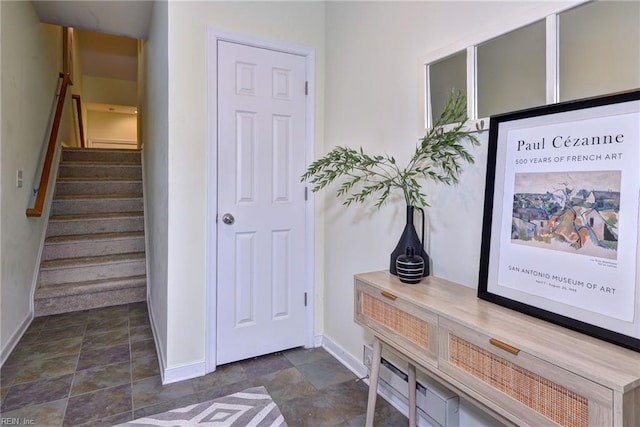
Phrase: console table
pixel 522 370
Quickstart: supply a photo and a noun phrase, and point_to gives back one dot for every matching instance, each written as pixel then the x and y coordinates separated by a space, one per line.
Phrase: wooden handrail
pixel 80 126
pixel 36 210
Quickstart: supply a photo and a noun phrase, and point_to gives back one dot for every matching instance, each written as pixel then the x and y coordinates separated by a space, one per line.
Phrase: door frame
pixel 213 36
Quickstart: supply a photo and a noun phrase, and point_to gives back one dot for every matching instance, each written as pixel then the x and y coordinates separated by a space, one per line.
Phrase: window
pixel 589 50
pixel 511 71
pixel 444 76
pixel 598 49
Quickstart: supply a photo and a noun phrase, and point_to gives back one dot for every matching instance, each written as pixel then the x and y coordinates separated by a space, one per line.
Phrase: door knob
pixel 228 219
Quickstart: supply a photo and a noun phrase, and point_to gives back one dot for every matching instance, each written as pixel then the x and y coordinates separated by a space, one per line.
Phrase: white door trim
pixel 215 35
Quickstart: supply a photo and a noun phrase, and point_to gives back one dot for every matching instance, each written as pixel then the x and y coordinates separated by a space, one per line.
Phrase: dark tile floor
pixel 99 368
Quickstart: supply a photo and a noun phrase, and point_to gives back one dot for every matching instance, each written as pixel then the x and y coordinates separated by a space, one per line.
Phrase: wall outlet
pixel 19 178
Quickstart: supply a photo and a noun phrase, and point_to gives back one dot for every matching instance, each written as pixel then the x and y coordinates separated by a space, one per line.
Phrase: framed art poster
pixel 561 217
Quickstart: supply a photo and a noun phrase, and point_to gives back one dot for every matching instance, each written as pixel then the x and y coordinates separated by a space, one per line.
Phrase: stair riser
pixel 51 277
pixel 92 248
pixel 98 187
pixel 89 226
pixel 99 171
pixel 84 206
pixel 127 156
pixel 48 306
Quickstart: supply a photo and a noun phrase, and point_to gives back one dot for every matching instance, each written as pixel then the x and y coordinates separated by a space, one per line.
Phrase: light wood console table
pixel 523 370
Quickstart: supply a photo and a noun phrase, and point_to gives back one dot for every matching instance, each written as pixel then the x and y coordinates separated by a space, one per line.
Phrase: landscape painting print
pixel 575 212
pixel 561 228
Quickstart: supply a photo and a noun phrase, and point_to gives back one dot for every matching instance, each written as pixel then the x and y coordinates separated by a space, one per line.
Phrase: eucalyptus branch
pixel 438 157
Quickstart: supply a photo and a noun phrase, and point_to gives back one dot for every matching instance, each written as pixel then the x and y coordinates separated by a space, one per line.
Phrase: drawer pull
pixel 389 295
pixel 511 349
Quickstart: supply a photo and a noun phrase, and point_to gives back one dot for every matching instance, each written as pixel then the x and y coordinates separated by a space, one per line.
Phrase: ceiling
pixel 106 33
pixel 123 18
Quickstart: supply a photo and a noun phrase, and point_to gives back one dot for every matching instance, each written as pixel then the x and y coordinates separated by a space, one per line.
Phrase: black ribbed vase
pixel 408 239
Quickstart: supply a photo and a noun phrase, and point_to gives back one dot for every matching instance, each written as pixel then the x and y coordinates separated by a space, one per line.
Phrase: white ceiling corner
pixel 123 18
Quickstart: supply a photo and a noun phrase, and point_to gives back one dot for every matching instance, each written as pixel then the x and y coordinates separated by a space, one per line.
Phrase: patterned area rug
pixel 251 407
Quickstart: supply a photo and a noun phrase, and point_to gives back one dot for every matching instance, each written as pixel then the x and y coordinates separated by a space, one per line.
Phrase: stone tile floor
pixel 99 368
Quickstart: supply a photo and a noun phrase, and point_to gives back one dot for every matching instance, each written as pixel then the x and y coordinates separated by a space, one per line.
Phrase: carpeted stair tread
pixel 103 150
pixel 100 170
pixel 96 216
pixel 97 179
pixel 93 260
pixel 99 163
pixel 92 286
pixel 115 185
pixel 93 236
pixel 98 196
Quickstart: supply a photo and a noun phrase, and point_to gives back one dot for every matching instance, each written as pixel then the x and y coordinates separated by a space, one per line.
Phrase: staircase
pixel 94 250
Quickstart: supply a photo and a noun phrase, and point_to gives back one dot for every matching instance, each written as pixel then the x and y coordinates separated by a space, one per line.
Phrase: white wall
pixel 104 125
pixel 300 23
pixel 31 59
pixel 68 131
pixel 153 113
pixel 76 89
pixel 109 91
pixel 372 99
pixel 373 88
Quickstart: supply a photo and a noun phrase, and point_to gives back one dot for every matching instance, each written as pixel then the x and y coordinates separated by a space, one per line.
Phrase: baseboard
pixel 360 370
pixel 145 210
pixel 156 340
pixel 15 338
pixel 179 373
pixel 343 356
pixel 385 390
pixel 317 341
pixel 55 165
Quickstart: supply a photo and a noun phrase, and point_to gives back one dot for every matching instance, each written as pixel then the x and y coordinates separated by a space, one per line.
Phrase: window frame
pixel 552 49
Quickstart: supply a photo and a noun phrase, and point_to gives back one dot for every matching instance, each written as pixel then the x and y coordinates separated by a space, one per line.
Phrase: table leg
pixel 413 415
pixel 373 381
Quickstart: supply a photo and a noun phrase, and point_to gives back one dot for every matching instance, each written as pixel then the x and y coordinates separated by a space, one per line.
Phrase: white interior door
pixel 261 202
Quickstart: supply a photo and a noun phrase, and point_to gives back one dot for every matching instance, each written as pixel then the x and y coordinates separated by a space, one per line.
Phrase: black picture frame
pixel 561 218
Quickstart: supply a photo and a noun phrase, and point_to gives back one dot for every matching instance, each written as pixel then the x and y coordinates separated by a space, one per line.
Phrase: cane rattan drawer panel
pixel 542 395
pixel 535 391
pixel 521 370
pixel 408 326
pixel 397 321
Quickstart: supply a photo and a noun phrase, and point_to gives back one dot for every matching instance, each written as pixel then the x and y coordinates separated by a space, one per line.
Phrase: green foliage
pixel 438 156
